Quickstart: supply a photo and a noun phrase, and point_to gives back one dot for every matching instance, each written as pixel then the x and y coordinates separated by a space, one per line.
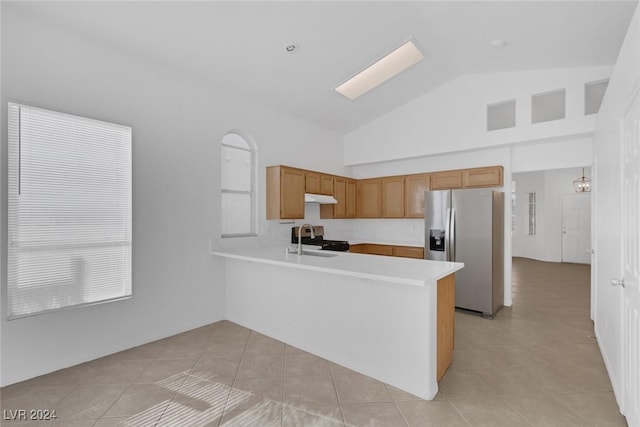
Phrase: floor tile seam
pixel 288 405
pixel 503 401
pixel 175 394
pixel 235 375
pixel 460 413
pixel 74 387
pixel 482 381
pixel 284 368
pixel 306 375
pixel 335 390
pixel 395 403
pixel 519 413
pixel 115 400
pixel 571 410
pixel 55 407
pixel 496 395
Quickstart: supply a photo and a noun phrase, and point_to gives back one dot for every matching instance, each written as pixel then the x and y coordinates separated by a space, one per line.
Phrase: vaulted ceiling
pixel 241 45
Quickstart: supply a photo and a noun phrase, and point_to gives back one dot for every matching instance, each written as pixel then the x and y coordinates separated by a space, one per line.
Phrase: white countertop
pixel 374 241
pixel 408 271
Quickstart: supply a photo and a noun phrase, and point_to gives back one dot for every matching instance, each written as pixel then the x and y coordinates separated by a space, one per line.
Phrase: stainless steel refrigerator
pixel 468 226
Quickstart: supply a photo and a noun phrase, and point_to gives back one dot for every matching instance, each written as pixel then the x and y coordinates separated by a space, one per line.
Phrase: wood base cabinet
pixel 388 250
pixel 445 323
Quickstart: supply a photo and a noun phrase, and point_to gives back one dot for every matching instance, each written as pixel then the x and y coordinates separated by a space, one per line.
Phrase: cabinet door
pixel 446 180
pixel 369 198
pixel 393 197
pixel 326 184
pixel 482 177
pixel 445 321
pixel 408 252
pixel 352 205
pixel 414 188
pixel 374 249
pixel 312 182
pixel 358 249
pixel 340 194
pixel 292 185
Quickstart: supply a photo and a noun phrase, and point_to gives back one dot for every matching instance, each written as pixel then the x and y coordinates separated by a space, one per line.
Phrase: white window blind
pixel 238 188
pixel 69 234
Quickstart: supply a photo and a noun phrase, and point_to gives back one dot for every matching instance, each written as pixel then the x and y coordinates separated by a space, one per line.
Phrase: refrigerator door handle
pixel 447 236
pixel 452 236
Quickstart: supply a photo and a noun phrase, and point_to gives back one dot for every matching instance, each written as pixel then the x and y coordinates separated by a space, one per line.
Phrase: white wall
pixel 625 80
pixel 177 125
pixel 453 117
pixel 549 186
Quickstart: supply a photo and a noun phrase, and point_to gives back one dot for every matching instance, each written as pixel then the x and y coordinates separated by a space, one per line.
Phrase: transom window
pixel 238 198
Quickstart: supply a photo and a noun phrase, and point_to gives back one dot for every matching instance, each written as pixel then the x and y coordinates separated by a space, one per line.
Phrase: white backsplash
pixel 278 232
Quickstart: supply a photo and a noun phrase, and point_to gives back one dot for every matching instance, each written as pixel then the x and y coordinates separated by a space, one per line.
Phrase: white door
pixel 576 228
pixel 630 282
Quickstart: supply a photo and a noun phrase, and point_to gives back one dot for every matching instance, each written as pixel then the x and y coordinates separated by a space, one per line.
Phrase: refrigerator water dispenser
pixel 436 240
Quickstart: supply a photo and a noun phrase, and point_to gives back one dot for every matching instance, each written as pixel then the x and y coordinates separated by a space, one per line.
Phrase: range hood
pixel 319 198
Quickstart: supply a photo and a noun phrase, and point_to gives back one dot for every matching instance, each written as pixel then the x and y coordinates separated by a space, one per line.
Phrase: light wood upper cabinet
pixel 386 197
pixel 446 180
pixel 369 198
pixel 392 197
pixel 414 188
pixel 285 192
pixel 318 183
pixel 344 191
pixel 326 184
pixel 312 182
pixel 352 203
pixel 482 177
pixel 340 194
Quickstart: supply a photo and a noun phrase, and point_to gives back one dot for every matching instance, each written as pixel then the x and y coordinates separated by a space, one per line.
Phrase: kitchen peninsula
pixel 385 317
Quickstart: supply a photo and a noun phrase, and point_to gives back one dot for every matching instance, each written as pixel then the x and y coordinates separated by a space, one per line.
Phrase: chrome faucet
pixel 313 236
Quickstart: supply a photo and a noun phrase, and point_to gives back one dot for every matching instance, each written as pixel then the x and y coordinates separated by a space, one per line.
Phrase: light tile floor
pixel 536 364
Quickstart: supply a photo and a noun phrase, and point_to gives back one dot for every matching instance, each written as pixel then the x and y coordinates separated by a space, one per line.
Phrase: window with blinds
pixel 238 200
pixel 69 232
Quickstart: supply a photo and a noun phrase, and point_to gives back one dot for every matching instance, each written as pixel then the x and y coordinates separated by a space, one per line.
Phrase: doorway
pixel 576 228
pixel 551 222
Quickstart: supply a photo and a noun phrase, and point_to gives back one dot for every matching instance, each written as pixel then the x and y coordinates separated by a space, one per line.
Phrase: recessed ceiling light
pixel 380 71
pixel 498 43
pixel 290 48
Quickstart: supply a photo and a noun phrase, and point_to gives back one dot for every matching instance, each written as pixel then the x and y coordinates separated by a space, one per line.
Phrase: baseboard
pixel 616 391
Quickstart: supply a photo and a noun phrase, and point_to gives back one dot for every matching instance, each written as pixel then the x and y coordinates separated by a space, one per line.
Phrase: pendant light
pixel 582 184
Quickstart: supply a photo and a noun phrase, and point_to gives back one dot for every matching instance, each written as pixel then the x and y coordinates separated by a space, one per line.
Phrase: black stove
pixel 318 240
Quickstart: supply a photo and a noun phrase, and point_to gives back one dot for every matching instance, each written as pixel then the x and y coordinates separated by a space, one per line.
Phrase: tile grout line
pixel 335 390
pixel 395 402
pixel 569 408
pixel 284 367
pixel 235 376
pixel 455 408
pixel 518 412
pixel 195 362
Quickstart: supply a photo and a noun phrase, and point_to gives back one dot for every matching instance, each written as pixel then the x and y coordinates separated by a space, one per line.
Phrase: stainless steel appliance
pixel 318 239
pixel 468 226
